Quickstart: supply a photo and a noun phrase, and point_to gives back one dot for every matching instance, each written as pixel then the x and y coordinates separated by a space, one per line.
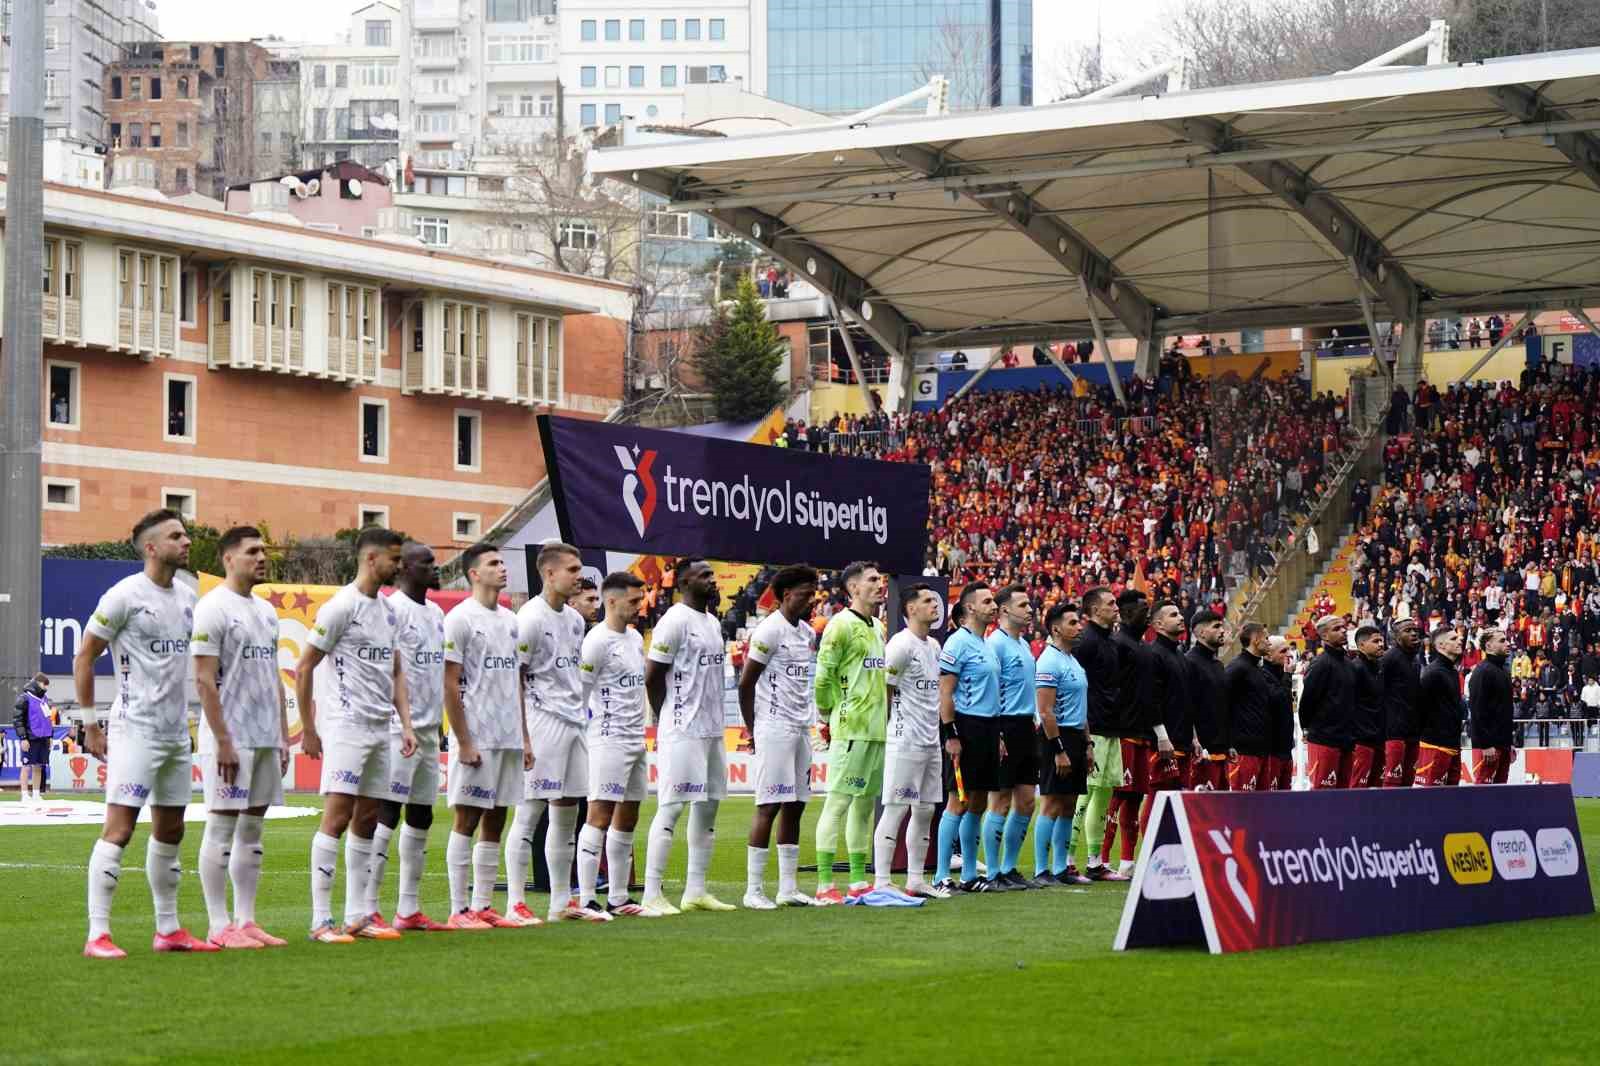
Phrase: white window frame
pixel 376 508
pixel 77 395
pixel 477 439
pixel 613 78
pixel 476 534
pixel 186 492
pixel 586 232
pixel 363 402
pixel 166 407
pixel 63 482
pixel 189 316
pixel 438 224
pixel 52 38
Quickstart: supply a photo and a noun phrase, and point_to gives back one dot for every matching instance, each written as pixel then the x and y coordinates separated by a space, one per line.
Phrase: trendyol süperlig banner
pixel 654 492
pixel 1238 871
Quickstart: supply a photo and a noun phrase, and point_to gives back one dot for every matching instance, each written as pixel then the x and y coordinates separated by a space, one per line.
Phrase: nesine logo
pixel 1466 856
pixel 638 464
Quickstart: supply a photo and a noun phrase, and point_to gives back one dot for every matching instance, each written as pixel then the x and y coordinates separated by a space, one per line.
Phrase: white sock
pixel 619 865
pixel 245 867
pixel 702 829
pixel 884 839
pixel 519 850
pixel 162 870
pixel 788 868
pixel 458 865
pixel 105 870
pixel 324 863
pixel 413 857
pixel 380 866
pixel 660 847
pixel 917 843
pixel 591 842
pixel 485 868
pixel 357 865
pixel 558 850
pixel 216 848
pixel 755 869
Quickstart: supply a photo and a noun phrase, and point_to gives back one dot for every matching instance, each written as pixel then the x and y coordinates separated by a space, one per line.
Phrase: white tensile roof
pixel 1469 187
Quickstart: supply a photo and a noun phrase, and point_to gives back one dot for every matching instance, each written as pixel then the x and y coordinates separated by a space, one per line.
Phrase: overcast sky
pixel 1055 22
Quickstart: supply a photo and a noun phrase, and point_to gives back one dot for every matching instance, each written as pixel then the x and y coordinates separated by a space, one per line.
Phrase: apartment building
pixel 240 369
pixel 354 99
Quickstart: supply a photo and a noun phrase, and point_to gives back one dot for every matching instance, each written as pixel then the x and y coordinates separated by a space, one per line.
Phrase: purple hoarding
pixel 659 493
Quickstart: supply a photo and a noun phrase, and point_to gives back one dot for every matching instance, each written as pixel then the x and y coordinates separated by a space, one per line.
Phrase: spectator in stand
pixel 1497 328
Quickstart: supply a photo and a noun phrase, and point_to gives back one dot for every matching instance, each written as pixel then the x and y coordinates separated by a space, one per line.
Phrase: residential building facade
pixel 354 102
pixel 342 198
pixel 277 118
pixel 238 369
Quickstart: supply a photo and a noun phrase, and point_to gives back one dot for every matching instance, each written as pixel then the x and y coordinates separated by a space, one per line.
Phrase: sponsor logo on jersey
pixel 684 787
pixel 232 792
pixel 200 638
pixel 477 792
pixel 1558 852
pixel 169 647
pixel 905 792
pixel 370 654
pixel 612 788
pixel 872 662
pixel 778 790
pixel 399 788
pixel 854 782
pixel 258 651
pixel 133 790
pixel 547 784
pixel 1466 856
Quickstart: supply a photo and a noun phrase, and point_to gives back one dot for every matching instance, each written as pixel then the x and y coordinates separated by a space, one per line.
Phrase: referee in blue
pixel 969 709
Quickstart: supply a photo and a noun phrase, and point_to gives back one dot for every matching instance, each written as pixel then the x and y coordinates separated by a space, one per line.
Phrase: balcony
pixel 429 98
pixel 522 73
pixel 419 61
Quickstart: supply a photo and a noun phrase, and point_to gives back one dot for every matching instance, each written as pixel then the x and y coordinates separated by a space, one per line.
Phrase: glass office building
pixel 839 56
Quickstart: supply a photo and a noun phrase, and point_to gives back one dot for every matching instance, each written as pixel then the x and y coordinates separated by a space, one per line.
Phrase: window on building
pixel 52 38
pixel 586 30
pixel 613 77
pixel 503 103
pixel 194 53
pixel 341 76
pixel 60 494
pixel 319 76
pixel 183 87
pixel 183 135
pixel 116 135
pixel 691 29
pixel 180 178
pixel 155 135
pixel 667 224
pixel 695 75
pixel 613 29
pixel 116 88
pixel 636 29
pixel 586 115
pixel 613 114
pixel 155 88
pixel 188 283
pixel 669 77
pixel 578 233
pixel 341 123
pixel 468 526
pixel 285 142
pixel 378 33
pixel 433 229
pixel 374 430
pixel 180 500
pixel 62 410
pixel 319 123
pixel 266 142
pixel 547 105
pixel 669 29
pixel 716 73
pixel 718 29
pixel 136 135
pixel 525 105
pixel 371 514
pixel 586 77
pixel 178 416
pixel 219 60
pixel 636 77
pixel 469 437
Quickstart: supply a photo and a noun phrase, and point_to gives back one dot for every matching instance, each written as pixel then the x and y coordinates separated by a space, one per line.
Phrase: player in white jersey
pixel 683 681
pixel 587 602
pixel 244 735
pixel 357 632
pixel 145 619
pixel 413 783
pixel 612 667
pixel 549 641
pixel 491 752
pixel 775 700
pixel 912 773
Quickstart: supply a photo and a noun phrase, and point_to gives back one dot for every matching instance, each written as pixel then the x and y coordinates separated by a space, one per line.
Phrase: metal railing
pixel 828 373
pixel 1137 423
pixel 874 440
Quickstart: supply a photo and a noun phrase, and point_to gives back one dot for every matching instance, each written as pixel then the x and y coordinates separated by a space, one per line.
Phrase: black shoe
pixel 1017 882
pixel 949 884
pixel 998 883
pixel 1045 880
pixel 977 884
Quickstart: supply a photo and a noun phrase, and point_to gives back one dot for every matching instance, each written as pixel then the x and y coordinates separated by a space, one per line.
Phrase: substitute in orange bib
pixel 1328 708
pixel 1489 696
pixel 1439 707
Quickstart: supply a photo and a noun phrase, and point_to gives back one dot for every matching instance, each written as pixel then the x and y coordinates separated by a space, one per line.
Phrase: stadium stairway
pixel 1333 578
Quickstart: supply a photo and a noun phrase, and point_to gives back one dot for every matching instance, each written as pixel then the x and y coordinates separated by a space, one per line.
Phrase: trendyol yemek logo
pixel 742 500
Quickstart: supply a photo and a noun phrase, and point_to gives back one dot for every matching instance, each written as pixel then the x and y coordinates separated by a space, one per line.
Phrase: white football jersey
pixel 241 633
pixel 484 642
pixel 789 654
pixel 690 641
pixel 148 629
pixel 612 666
pixel 420 642
pixel 913 676
pixel 549 645
pixel 357 633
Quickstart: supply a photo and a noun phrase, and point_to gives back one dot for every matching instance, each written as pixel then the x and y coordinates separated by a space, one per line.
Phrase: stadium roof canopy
pixel 1431 190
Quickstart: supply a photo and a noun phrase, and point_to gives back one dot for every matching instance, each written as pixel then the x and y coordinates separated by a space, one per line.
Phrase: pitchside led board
pixel 1238 871
pixel 658 493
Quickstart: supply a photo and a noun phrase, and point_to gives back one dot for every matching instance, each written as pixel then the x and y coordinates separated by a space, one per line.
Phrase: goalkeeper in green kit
pixel 852 699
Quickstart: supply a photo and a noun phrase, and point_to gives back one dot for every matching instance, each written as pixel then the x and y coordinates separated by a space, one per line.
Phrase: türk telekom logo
pixel 637 464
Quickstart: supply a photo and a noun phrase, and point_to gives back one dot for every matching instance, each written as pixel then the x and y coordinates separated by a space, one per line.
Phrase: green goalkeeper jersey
pixel 851 689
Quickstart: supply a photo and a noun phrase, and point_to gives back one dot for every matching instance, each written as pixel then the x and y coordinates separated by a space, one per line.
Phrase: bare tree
pixel 1481 29
pixel 961 54
pixel 574 225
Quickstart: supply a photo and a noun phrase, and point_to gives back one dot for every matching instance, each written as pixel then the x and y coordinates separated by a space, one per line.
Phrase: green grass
pixel 1017 977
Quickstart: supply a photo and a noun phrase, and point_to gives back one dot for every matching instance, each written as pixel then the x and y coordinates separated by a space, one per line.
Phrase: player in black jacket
pixel 1439 708
pixel 1366 762
pixel 1401 683
pixel 1141 715
pixel 1208 702
pixel 1100 657
pixel 1248 726
pixel 1489 698
pixel 1169 677
pixel 1328 708
pixel 1280 758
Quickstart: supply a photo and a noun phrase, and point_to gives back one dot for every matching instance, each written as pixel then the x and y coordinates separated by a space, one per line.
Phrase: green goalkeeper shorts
pixel 1107 772
pixel 855 767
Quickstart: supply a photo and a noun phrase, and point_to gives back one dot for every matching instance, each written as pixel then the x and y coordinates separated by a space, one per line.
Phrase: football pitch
pixel 1023 977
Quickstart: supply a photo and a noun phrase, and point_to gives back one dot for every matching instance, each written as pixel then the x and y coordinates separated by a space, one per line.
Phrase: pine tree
pixel 738 354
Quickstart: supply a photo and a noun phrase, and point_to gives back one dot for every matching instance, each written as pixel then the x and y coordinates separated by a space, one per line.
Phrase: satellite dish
pixel 391 121
pixel 289 180
pixel 355 188
pixel 313 186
